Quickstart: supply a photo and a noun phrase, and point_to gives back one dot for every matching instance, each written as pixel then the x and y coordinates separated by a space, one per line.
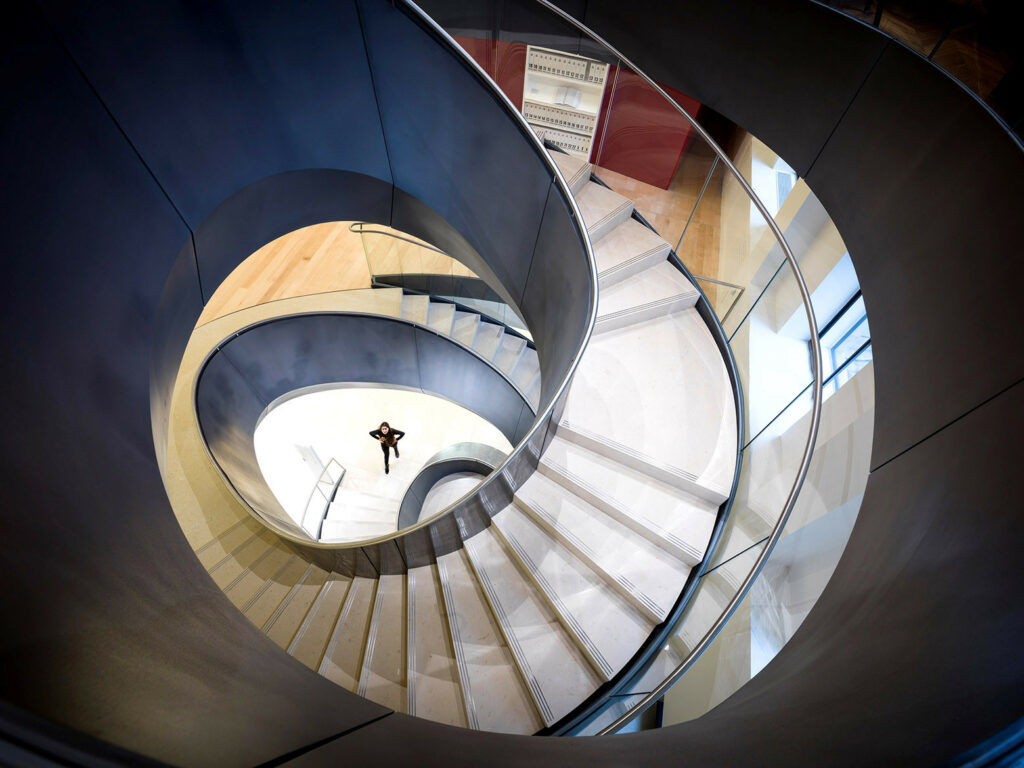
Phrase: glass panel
pixel 772 352
pixel 801 563
pixel 650 153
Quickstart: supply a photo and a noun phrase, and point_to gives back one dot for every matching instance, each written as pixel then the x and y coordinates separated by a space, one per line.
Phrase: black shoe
pixel 396 454
pixel 386 470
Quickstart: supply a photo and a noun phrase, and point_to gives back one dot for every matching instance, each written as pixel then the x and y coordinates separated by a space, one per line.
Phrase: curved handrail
pixel 359 228
pixel 812 435
pixel 329 498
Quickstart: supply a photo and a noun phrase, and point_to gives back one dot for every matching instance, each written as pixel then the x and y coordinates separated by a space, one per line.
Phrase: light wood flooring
pixel 322 258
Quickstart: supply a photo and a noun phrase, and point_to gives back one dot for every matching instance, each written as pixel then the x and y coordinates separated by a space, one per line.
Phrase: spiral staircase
pixel 132 193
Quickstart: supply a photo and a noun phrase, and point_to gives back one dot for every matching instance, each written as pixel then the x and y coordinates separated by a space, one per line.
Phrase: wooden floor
pixel 322 258
pixel 669 210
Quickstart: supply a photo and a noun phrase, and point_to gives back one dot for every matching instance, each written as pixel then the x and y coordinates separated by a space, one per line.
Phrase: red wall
pixel 638 133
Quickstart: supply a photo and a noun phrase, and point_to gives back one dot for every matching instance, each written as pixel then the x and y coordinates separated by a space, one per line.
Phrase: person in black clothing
pixel 388 438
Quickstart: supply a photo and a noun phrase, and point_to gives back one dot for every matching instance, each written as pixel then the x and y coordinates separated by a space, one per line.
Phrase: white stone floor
pixel 335 423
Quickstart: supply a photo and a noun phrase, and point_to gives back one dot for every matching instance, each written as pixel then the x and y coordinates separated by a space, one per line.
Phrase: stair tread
pixel 464 327
pixel 601 208
pixel 608 629
pixel 342 661
pixel 627 249
pixel 679 521
pixel 488 337
pixel 496 699
pixel 250 581
pixel 285 621
pixel 432 678
pixel 576 170
pixel 657 284
pixel 311 640
pixel 262 605
pixel 440 316
pixel 556 673
pixel 683 423
pixel 526 370
pixel 645 574
pixel 508 352
pixel 382 678
pixel 415 308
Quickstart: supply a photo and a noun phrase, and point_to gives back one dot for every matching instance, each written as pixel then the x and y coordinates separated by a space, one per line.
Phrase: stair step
pixel 557 674
pixel 249 582
pixel 382 678
pixel 464 327
pixel 440 317
pixel 218 549
pixel 628 249
pixel 658 290
pixel 646 575
pixel 602 209
pixel 488 337
pixel 509 350
pixel 261 606
pixel 286 620
pixel 576 170
pixel 377 301
pixel 527 370
pixel 311 640
pixel 681 428
pixel 665 515
pixel 238 561
pixel 342 661
pixel 415 308
pixel 494 695
pixel 432 678
pixel 603 624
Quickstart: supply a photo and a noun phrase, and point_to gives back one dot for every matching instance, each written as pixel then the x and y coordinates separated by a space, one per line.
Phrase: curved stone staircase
pixel 524 622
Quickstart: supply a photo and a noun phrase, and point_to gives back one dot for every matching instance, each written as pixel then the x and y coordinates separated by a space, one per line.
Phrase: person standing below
pixel 388 438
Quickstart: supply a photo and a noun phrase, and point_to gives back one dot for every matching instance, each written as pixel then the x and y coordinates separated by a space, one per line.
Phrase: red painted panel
pixel 643 136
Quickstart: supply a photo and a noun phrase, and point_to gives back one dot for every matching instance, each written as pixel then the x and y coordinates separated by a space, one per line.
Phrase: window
pixel 845 344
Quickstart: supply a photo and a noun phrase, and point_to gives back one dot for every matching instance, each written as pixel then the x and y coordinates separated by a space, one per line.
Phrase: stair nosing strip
pixel 591 556
pixel 629 451
pixel 603 667
pixel 371 641
pixel 269 624
pixel 644 522
pixel 518 655
pixel 638 308
pixel 460 657
pixel 410 651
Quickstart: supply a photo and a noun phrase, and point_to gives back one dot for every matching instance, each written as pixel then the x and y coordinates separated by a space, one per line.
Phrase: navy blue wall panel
pixel 219 95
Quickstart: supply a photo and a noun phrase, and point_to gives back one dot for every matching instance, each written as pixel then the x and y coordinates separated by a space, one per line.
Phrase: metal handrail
pixel 329 497
pixel 359 228
pixel 812 435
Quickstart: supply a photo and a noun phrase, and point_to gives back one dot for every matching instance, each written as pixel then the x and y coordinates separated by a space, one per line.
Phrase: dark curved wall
pixel 125 126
